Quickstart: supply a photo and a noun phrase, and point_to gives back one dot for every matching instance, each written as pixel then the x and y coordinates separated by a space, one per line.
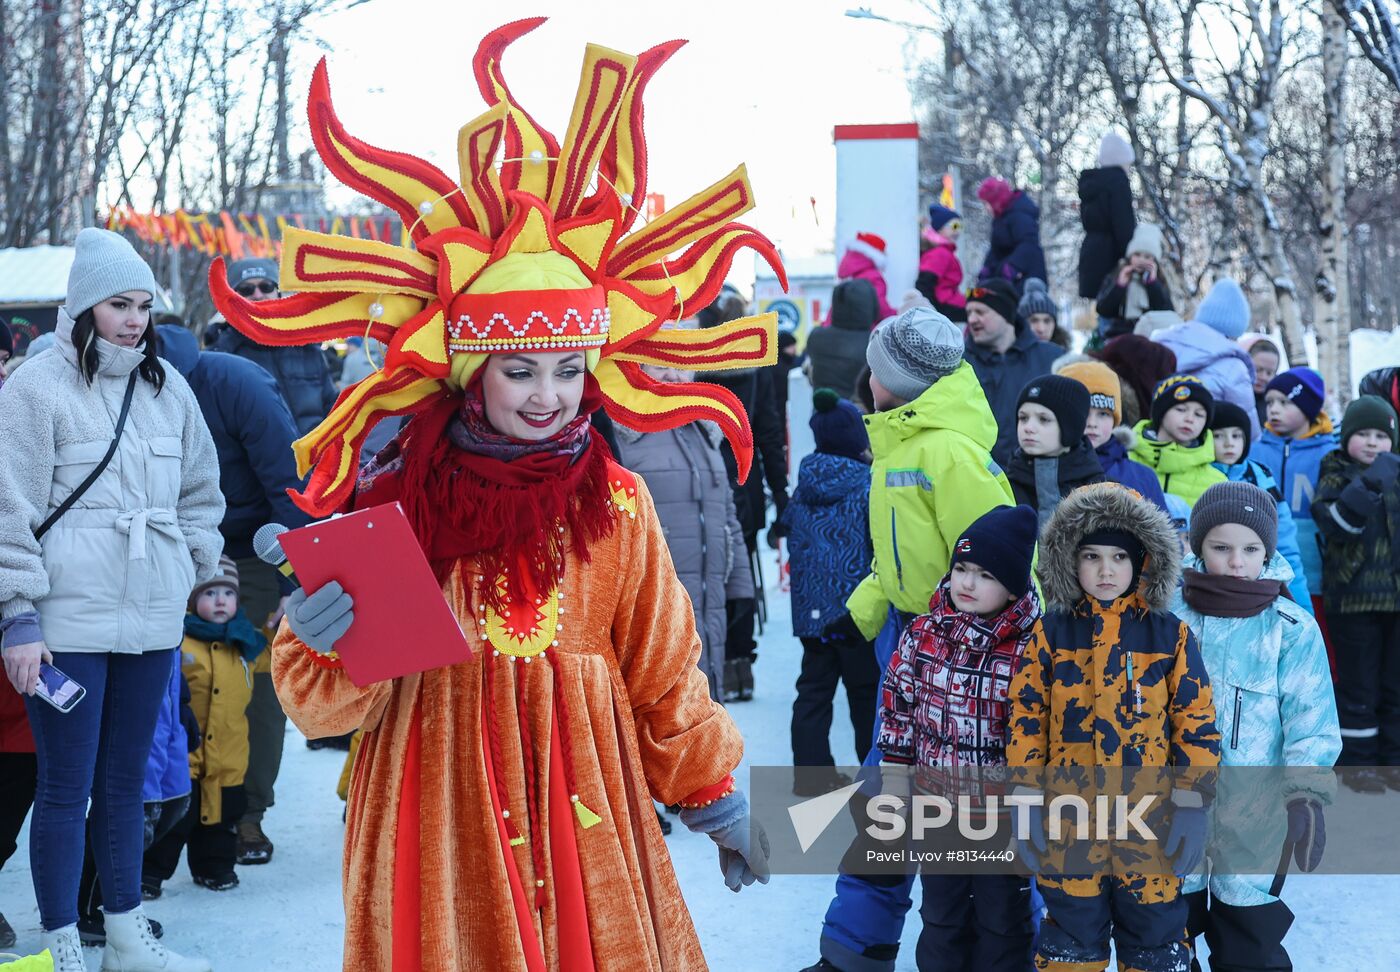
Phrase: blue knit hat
pixel 938 216
pixel 838 428
pixel 1225 308
pixel 1303 387
pixel 1001 542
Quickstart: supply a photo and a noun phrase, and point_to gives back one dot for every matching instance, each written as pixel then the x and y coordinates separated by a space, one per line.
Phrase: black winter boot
pixel 731 679
pixel 744 668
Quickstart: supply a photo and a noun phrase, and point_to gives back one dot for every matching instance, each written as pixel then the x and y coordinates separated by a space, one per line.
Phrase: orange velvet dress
pixel 437 874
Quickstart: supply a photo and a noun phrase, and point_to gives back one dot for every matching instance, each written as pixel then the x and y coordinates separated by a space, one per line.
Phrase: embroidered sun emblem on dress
pixel 523 630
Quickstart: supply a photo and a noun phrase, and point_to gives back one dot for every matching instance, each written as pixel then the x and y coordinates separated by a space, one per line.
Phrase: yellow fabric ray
pixel 478 141
pixel 748 342
pixel 438 218
pixel 603 81
pixel 695 269
pixel 320 262
pixel 331 320
pixel 703 212
pixel 380 393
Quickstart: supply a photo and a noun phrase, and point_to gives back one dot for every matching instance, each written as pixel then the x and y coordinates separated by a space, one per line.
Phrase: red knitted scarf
pixel 506 516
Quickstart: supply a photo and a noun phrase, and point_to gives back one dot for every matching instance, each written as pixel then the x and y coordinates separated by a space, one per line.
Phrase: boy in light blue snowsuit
pixel 1275 708
pixel 1230 429
pixel 1300 433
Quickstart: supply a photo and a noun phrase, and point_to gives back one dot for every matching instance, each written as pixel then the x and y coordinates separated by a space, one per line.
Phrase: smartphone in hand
pixel 57 689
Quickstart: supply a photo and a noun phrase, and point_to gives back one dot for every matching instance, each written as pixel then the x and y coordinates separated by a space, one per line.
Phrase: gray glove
pixel 321 619
pixel 743 845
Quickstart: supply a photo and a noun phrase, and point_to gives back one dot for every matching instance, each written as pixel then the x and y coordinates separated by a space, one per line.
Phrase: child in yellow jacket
pixel 220 646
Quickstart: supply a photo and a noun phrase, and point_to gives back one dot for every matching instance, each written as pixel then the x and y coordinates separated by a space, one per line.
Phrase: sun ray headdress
pixel 534 250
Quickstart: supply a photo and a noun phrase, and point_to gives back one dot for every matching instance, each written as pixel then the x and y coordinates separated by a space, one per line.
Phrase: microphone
pixel 269 549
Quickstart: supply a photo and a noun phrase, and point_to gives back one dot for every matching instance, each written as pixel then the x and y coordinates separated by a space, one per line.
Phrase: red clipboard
pixel 403 623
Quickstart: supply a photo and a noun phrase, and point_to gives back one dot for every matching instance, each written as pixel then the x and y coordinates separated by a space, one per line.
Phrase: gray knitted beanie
pixel 910 351
pixel 1235 502
pixel 104 265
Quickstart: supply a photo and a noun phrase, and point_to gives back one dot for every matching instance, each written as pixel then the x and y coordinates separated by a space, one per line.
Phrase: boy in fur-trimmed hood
pixel 1114 680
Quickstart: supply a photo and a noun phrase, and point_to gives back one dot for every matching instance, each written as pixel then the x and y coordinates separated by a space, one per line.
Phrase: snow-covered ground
pixel 287 915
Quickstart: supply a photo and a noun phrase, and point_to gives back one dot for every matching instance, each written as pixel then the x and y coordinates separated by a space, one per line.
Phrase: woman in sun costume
pixel 500 814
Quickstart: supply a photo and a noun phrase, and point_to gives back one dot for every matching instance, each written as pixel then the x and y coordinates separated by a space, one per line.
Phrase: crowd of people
pixel 1169 495
pixel 982 503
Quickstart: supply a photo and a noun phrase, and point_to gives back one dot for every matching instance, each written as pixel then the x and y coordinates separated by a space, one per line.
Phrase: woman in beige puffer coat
pixel 101 595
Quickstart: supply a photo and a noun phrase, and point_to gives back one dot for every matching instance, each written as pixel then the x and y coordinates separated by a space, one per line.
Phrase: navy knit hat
pixel 1037 300
pixel 1303 387
pixel 940 216
pixel 1368 412
pixel 1001 542
pixel 1066 398
pixel 999 295
pixel 1228 415
pixel 837 426
pixel 1175 390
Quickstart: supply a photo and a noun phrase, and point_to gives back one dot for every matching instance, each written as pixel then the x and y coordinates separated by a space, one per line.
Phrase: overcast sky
pixel 761 82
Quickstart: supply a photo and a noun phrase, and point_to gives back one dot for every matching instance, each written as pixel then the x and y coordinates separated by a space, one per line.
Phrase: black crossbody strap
pixel 86 484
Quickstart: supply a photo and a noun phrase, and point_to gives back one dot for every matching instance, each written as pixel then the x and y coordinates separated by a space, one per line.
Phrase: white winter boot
pixel 66 949
pixel 132 948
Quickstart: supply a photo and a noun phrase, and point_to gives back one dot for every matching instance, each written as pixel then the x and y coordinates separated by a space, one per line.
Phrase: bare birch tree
pixel 1240 100
pixel 1331 302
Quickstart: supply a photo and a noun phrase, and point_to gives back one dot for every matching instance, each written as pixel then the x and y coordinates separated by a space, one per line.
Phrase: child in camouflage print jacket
pixel 1114 680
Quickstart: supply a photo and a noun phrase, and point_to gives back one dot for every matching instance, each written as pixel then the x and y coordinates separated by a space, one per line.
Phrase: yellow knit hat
pixel 1105 390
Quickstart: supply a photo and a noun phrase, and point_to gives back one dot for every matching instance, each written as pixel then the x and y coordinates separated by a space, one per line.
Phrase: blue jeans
pixel 99 749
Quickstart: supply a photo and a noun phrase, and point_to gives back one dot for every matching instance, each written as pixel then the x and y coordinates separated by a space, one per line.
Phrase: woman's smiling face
pixel 531 396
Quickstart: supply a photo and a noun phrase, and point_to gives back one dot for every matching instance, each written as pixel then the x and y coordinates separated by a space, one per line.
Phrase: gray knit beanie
pixel 104 264
pixel 1235 502
pixel 910 351
pixel 1036 299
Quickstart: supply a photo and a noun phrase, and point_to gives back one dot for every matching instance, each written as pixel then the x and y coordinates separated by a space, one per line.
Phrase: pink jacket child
pixel 864 259
pixel 940 273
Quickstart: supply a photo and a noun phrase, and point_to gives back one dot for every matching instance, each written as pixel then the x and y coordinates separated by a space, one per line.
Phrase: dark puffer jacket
pixel 1014 252
pixel 1384 383
pixel 827 525
pixel 1078 467
pixel 755 391
pixel 689 484
pixel 1360 553
pixel 252 432
pixel 301 374
pixel 837 353
pixel 1106 212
